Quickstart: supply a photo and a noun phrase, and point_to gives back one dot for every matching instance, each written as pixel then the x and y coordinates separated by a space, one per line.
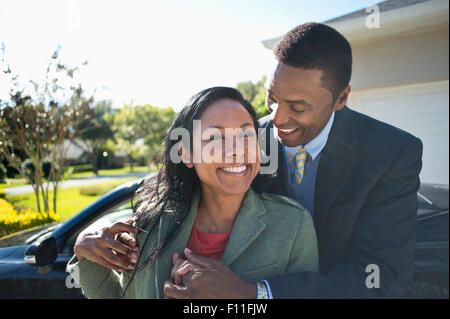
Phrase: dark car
pixel 33 263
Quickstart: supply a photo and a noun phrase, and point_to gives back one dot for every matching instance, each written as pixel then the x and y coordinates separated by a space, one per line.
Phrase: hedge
pixel 12 221
pixel 83 168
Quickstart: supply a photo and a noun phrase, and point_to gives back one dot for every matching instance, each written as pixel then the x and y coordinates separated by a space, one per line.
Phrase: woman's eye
pixel 215 137
pixel 248 134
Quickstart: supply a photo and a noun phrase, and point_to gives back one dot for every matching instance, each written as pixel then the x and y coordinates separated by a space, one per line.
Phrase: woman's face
pixel 229 148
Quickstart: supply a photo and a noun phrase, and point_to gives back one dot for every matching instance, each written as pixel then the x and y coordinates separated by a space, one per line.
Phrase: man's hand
pixel 205 278
pixel 102 247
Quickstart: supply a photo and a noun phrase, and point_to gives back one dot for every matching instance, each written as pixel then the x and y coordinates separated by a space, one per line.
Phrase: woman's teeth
pixel 287 131
pixel 238 169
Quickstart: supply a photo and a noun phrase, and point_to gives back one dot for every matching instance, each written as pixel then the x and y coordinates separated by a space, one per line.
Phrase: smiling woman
pixel 206 206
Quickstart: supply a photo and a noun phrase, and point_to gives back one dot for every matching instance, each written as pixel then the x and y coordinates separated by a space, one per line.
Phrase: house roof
pixel 396 17
pixel 383 6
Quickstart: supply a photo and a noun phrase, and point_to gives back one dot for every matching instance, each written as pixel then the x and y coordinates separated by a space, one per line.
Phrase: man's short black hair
pixel 318 46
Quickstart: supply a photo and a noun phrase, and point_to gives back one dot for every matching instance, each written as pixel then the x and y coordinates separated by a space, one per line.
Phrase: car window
pixel 432 198
pixel 120 212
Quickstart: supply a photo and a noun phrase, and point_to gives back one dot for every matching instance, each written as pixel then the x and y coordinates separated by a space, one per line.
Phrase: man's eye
pixel 296 110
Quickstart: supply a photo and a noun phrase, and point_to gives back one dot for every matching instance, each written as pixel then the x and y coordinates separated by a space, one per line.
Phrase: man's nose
pixel 279 115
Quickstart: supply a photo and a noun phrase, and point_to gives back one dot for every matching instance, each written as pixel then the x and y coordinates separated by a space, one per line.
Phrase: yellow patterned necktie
pixel 300 160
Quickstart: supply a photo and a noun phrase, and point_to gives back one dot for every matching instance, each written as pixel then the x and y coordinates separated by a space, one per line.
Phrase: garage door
pixel 420 109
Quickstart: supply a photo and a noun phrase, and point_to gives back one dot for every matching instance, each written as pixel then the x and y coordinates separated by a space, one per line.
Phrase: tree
pixel 153 123
pixel 255 93
pixel 37 123
pixel 139 130
pixel 126 133
pixel 248 90
pixel 94 131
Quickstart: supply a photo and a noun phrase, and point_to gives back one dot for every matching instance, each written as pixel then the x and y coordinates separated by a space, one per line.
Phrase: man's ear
pixel 342 99
pixel 185 155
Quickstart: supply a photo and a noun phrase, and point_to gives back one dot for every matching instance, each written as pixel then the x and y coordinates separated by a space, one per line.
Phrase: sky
pixel 156 52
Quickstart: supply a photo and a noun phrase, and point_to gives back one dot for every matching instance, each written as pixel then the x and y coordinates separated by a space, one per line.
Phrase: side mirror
pixel 42 254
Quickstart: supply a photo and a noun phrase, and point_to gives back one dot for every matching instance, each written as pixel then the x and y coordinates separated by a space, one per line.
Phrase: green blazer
pixel 272 235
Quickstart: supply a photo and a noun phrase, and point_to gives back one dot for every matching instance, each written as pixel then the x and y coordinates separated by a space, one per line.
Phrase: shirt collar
pixel 316 145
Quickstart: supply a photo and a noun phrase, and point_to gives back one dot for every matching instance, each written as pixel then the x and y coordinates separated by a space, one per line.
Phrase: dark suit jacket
pixel 365 210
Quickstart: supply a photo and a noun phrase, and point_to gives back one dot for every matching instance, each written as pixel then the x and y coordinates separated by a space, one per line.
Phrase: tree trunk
pixel 36 193
pixel 131 163
pixel 94 162
pixel 55 193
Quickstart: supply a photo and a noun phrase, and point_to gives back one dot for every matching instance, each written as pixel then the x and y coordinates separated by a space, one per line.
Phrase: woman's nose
pixel 235 150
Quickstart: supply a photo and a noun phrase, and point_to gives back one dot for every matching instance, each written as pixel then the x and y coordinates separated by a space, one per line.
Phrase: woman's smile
pixel 240 170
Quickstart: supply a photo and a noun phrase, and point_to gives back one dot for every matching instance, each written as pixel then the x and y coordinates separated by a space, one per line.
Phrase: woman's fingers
pixel 120 248
pixel 109 265
pixel 101 246
pixel 116 260
pixel 128 240
pixel 118 227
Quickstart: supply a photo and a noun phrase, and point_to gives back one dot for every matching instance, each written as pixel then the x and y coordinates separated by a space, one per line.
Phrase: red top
pixel 208 244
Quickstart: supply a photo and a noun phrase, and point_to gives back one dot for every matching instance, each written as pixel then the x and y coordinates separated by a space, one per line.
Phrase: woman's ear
pixel 185 155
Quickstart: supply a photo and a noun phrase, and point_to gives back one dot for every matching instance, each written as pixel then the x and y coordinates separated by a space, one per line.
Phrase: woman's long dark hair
pixel 173 188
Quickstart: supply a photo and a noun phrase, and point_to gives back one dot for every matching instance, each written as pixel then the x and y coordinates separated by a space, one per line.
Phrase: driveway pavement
pixel 25 189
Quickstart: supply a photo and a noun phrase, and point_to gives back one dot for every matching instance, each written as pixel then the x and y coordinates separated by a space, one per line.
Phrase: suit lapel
pixel 337 161
pixel 246 228
pixel 271 183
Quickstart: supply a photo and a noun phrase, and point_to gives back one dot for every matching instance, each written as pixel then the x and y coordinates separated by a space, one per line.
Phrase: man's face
pixel 300 106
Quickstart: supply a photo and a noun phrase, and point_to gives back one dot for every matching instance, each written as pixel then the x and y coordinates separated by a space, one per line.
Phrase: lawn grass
pixel 11 182
pixel 116 171
pixel 69 201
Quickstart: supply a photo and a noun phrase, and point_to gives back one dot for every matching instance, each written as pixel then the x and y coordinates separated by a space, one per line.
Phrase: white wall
pixel 412 58
pixel 420 109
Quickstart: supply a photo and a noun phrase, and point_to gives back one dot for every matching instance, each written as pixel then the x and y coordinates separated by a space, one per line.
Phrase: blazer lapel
pixel 247 227
pixel 337 161
pixel 179 243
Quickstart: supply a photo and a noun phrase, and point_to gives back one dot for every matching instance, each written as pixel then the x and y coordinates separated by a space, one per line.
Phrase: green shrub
pixel 12 221
pixel 98 189
pixel 83 168
pixel 2 193
pixel 91 190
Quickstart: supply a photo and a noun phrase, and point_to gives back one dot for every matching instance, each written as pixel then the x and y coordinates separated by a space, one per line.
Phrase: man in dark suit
pixel 358 178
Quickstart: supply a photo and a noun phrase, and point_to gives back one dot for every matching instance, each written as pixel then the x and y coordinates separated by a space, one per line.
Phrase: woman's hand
pixel 104 248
